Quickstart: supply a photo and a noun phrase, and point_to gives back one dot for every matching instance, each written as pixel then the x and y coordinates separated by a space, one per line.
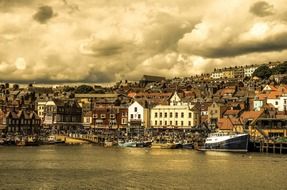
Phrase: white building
pixel 138 115
pixel 217 74
pixel 177 114
pixel 282 103
pixel 249 70
pixel 41 108
pixel 258 103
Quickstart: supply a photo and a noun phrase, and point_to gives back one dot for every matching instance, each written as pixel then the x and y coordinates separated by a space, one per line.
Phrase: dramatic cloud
pixel 261 9
pixel 43 14
pixel 107 41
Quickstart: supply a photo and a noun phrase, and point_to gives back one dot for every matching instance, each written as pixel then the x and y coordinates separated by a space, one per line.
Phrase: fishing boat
pixel 227 142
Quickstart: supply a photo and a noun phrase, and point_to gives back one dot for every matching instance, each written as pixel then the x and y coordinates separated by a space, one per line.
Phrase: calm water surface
pixel 93 167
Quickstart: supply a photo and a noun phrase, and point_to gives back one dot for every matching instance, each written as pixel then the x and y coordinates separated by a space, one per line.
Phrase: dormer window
pixel 136 109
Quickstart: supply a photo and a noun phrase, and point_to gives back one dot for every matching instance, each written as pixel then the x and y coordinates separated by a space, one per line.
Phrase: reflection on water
pixel 92 167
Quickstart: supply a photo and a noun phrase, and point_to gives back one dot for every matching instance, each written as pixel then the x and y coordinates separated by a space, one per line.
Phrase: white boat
pixel 227 142
pixel 128 144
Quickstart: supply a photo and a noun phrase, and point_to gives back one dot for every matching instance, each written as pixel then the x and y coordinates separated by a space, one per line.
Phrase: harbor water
pixel 94 167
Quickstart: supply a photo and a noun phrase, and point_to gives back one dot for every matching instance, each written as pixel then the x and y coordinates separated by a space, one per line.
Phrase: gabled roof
pixel 228 123
pixel 232 112
pixel 250 115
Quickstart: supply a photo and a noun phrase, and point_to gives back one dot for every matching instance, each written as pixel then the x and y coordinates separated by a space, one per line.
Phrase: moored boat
pixel 128 144
pixel 227 142
pixel 144 144
pixel 166 145
pixel 109 143
pixel 187 145
pixel 32 141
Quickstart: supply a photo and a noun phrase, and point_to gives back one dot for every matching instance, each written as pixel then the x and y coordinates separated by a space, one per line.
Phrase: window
pixel 165 123
pixel 132 116
pixel 155 122
pixel 124 121
pixel 181 123
pixel 189 115
pixel 160 114
pixel 182 115
pixel 189 123
pixel 165 114
pixel 103 116
pixel 155 114
pixel 95 115
pixel 170 114
pixel 160 122
pixel 176 123
pixel 176 115
pixel 139 116
pixel 170 122
pixel 112 115
pixel 136 109
pixel 276 103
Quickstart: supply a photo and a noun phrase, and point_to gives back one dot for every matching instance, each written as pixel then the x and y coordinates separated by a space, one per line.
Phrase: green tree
pixel 280 69
pixel 284 80
pixel 84 89
pixel 263 72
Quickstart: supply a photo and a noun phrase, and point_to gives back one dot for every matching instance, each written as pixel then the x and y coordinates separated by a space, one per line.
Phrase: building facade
pixel 20 122
pixel 62 114
pixel 177 114
pixel 110 117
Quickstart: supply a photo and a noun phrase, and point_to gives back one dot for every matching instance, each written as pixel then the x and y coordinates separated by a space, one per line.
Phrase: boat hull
pixel 128 144
pixel 235 144
pixel 166 145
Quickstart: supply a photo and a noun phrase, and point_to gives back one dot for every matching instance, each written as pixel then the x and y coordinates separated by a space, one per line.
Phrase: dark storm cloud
pixel 43 14
pixel 232 49
pixel 109 47
pixel 261 9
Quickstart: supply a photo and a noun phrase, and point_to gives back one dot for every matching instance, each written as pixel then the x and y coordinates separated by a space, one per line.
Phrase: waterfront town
pixel 247 99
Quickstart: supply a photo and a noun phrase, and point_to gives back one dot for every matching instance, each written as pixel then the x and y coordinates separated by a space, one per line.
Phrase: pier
pixel 269 147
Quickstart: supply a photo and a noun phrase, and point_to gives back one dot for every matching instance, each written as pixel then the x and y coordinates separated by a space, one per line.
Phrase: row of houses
pixel 237 71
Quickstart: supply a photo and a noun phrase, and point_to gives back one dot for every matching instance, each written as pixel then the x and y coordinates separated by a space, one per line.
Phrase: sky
pixel 104 41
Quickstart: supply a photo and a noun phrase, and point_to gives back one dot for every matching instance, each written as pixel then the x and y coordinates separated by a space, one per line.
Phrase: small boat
pixel 109 143
pixel 9 140
pixel 31 141
pixel 187 145
pixel 128 144
pixel 227 142
pixel 19 141
pixel 2 141
pixel 165 145
pixel 144 144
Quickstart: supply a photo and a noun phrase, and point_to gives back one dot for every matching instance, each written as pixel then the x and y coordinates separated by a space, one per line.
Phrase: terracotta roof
pixel 274 95
pixel 261 96
pixel 232 112
pixel 252 115
pixel 228 123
